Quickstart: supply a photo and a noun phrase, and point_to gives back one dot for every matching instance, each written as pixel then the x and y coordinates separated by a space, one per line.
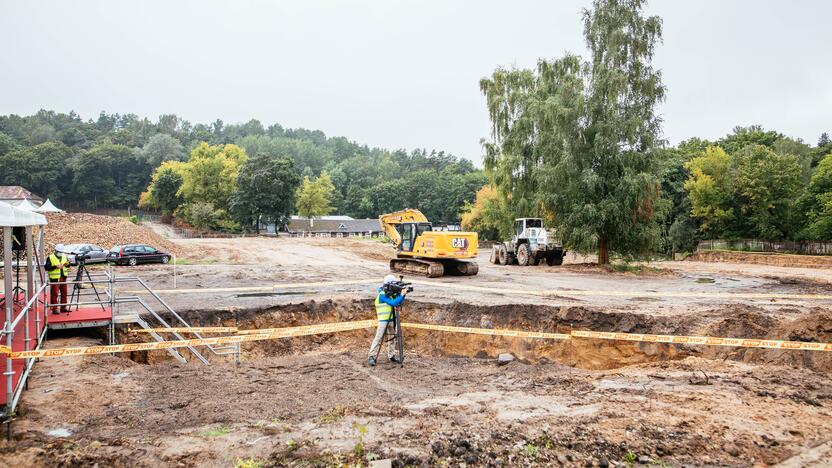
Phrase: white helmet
pixel 389 279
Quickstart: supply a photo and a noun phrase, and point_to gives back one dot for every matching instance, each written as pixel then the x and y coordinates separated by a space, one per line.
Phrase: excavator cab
pixel 409 232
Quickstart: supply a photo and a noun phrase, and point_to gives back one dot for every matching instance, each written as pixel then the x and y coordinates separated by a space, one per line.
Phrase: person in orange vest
pixel 57 267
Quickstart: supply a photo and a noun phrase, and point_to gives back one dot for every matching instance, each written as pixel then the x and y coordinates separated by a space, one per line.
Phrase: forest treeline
pixel 110 161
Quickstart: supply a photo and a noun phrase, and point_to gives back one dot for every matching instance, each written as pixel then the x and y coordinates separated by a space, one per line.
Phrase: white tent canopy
pixel 11 216
pixel 26 205
pixel 48 207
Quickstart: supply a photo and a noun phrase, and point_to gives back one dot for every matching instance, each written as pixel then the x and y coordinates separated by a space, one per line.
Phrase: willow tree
pixel 576 139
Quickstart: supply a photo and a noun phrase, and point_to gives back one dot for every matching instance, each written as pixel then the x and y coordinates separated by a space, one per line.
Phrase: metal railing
pixel 108 297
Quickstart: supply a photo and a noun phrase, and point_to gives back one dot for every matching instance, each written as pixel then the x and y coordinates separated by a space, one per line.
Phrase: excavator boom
pixel 390 220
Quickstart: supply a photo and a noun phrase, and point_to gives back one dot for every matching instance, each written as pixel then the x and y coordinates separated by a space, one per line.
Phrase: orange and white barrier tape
pixel 244 336
pixel 274 333
pixel 185 330
pixel 705 340
pixel 488 331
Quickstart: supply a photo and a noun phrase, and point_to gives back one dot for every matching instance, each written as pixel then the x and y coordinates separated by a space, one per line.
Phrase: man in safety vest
pixel 384 314
pixel 57 267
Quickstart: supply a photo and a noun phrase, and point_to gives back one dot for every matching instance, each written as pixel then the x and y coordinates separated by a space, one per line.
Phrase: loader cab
pixel 410 232
pixel 521 224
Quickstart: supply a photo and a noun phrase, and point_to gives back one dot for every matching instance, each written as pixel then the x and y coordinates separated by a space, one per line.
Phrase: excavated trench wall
pixel 742 322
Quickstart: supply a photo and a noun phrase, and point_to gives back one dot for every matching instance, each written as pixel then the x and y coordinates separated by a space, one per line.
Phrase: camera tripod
pixel 396 336
pixel 75 297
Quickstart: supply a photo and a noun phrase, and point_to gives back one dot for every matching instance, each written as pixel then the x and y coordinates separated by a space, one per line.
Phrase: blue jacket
pixel 392 302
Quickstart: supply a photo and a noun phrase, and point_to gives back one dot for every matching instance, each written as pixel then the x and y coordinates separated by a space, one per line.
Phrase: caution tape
pixel 705 340
pixel 244 336
pixel 185 330
pixel 488 331
pixel 275 333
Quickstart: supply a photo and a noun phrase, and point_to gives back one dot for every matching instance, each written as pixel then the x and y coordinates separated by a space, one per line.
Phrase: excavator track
pixel 433 269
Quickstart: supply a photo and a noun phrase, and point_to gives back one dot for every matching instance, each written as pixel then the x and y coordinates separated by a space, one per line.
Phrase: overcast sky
pixel 398 74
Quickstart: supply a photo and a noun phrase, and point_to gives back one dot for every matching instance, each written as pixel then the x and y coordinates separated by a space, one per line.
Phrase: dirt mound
pixel 760 258
pixel 751 323
pixel 370 249
pixel 105 231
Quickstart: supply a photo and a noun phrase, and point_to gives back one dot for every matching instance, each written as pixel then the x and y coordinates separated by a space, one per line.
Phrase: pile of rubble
pixel 104 231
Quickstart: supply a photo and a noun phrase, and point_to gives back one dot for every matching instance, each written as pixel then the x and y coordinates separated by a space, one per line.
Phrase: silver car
pixel 91 253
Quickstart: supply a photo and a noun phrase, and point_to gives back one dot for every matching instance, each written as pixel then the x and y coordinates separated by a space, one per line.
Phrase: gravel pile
pixel 105 231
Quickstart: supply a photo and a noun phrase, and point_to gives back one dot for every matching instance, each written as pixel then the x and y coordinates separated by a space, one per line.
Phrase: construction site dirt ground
pixel 312 401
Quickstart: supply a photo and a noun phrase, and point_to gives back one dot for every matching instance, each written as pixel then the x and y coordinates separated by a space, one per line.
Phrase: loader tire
pixel 493 258
pixel 502 255
pixel 523 255
pixel 554 258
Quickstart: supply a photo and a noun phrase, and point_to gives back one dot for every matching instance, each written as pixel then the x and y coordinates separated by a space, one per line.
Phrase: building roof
pixel 329 225
pixel 327 218
pixel 16 192
pixel 14 217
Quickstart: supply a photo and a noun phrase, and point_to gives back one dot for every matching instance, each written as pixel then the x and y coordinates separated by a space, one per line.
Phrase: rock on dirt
pixel 505 358
pixel 104 231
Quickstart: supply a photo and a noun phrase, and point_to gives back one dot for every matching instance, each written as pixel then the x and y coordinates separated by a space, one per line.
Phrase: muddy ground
pixel 313 402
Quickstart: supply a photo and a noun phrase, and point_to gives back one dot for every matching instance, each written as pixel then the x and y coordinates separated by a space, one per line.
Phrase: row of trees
pixel 578 142
pixel 108 162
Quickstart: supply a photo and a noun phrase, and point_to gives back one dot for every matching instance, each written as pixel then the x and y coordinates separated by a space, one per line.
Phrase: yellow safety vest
pixel 62 264
pixel 384 311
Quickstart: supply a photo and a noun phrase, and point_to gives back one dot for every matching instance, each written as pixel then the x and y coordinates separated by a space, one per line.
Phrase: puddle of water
pixel 60 432
pixel 705 280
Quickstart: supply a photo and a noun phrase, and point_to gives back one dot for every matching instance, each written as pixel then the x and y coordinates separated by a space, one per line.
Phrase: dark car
pixel 134 254
pixel 91 253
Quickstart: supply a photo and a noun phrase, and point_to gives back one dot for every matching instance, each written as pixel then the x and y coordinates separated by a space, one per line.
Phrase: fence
pixel 755 245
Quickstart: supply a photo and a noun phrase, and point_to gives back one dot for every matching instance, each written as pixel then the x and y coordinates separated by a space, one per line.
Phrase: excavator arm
pixel 389 221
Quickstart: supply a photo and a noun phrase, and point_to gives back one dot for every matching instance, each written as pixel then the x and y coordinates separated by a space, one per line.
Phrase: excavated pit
pixel 732 321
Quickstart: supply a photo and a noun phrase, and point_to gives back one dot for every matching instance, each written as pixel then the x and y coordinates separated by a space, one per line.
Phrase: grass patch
pixel 216 431
pixel 249 463
pixel 334 414
pixel 191 261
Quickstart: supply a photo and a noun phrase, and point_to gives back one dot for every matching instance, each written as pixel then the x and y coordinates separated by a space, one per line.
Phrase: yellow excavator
pixel 421 250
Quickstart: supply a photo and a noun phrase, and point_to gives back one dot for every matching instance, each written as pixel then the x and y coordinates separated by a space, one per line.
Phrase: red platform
pixel 91 316
pixel 36 324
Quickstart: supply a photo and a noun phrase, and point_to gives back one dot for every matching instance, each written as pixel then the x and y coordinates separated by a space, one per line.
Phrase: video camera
pixel 394 289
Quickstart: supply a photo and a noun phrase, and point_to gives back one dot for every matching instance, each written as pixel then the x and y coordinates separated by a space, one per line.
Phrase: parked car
pixel 133 254
pixel 91 252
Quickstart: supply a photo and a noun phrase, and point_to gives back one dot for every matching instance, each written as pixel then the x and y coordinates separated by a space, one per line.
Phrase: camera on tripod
pixel 394 289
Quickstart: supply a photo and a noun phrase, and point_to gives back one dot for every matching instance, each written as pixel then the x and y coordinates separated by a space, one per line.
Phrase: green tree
pixel 488 215
pixel 163 148
pixel 265 191
pixel 110 175
pixel 202 216
pixel 767 184
pixel 7 144
pixel 210 175
pixel 711 191
pixel 816 203
pixel 43 169
pixel 313 197
pixel 752 135
pixel 164 187
pixel 577 139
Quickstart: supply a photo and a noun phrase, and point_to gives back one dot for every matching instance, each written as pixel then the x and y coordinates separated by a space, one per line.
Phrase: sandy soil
pixel 313 402
pixel 314 408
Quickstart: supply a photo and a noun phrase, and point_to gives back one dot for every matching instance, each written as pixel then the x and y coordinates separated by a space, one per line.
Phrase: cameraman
pixel 384 314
